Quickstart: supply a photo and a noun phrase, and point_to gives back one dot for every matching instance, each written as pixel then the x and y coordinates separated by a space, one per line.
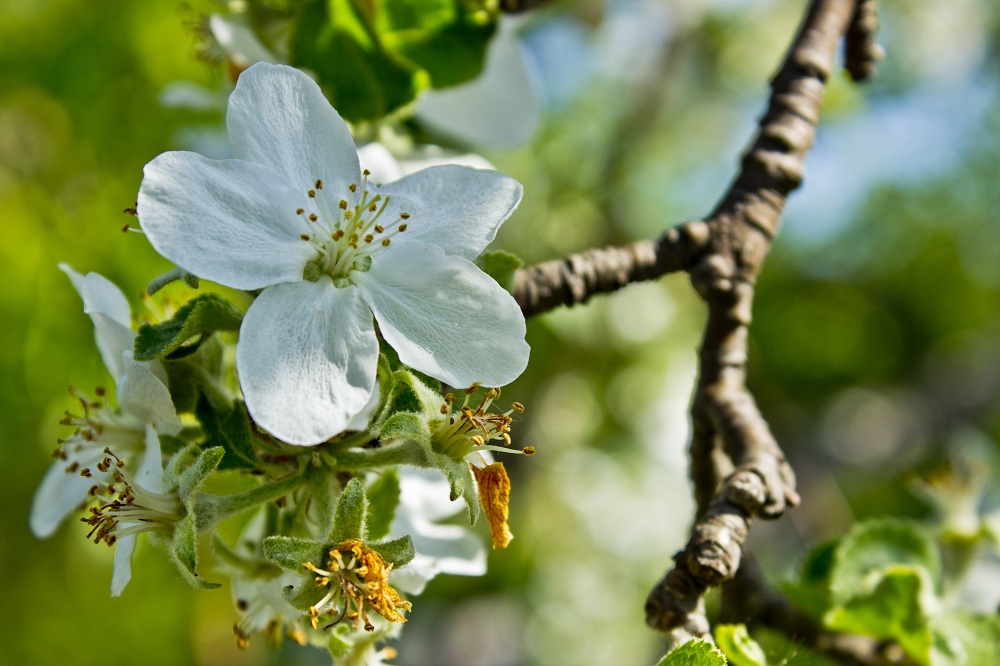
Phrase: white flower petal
pixel 60 493
pixel 143 395
pixel 121 573
pixel 100 295
pixel 229 221
pixel 113 339
pixel 306 360
pixel 444 316
pixel 383 166
pixel 454 207
pixel 278 117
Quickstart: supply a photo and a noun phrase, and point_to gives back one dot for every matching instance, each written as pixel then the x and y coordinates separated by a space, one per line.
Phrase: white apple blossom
pixel 293 215
pixel 131 431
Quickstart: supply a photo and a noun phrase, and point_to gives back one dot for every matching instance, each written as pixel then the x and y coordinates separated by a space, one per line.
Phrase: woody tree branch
pixel 738 469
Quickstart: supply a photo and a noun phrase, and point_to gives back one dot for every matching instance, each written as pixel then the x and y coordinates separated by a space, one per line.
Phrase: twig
pixel 738 468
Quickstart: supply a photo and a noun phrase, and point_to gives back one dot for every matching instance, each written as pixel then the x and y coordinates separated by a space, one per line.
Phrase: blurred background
pixel 875 348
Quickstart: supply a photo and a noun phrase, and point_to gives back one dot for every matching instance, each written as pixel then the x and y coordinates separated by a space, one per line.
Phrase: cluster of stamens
pixel 123 506
pixel 97 426
pixel 467 430
pixel 252 612
pixel 349 233
pixel 357 577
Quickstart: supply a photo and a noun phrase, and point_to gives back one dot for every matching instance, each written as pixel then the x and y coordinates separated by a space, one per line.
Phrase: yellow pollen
pixel 348 215
pixel 528 450
pixel 494 495
pixel 518 407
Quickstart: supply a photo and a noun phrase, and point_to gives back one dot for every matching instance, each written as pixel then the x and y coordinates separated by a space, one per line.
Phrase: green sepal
pixel 291 553
pixel 305 593
pixel 229 430
pixel 696 652
pixel 406 426
pixel 349 522
pixel 196 374
pixel 201 316
pixel 741 650
pixel 897 608
pixel 191 478
pixel 399 453
pixel 322 506
pixel 393 359
pixel 501 266
pixel 184 553
pixel 461 482
pixel 398 551
pixel 383 497
pixel 173 275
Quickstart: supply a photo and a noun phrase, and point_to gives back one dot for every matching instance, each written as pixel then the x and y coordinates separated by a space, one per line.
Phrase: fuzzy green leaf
pixel 398 551
pixel 201 316
pixel 383 496
pixel 184 553
pixel 338 647
pixel 405 426
pixel 500 266
pixel 349 522
pixel 695 652
pixel 461 481
pixel 741 650
pixel 406 452
pixel 323 505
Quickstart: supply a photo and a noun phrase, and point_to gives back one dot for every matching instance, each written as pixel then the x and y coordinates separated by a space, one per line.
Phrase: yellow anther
pixel 379 228
pixel 299 211
pixel 518 407
pixel 372 208
pixel 312 194
pixel 319 184
pixel 528 450
pixel 312 217
pixel 366 172
pixel 401 228
pixel 304 237
pixel 369 238
pixel 386 241
pixel 343 204
pixel 405 216
pixel 337 235
pixel 352 187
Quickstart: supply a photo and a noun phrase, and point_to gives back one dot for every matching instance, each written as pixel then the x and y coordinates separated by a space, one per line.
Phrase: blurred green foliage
pixel 875 341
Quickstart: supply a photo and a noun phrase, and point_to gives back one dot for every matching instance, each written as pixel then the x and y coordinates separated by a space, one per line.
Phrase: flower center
pixel 458 435
pixel 124 507
pixel 359 577
pixel 99 426
pixel 347 233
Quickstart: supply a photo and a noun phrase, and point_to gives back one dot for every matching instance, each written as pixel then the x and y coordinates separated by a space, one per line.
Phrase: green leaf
pixel 383 496
pixel 338 647
pixel 811 592
pixel 897 608
pixel 291 553
pixel 965 639
pixel 450 47
pixel 349 522
pixel 201 316
pixel 362 79
pixel 229 431
pixel 695 652
pixel 739 648
pixel 500 266
pixel 398 551
pixel 405 426
pixel 875 545
pixel 184 553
